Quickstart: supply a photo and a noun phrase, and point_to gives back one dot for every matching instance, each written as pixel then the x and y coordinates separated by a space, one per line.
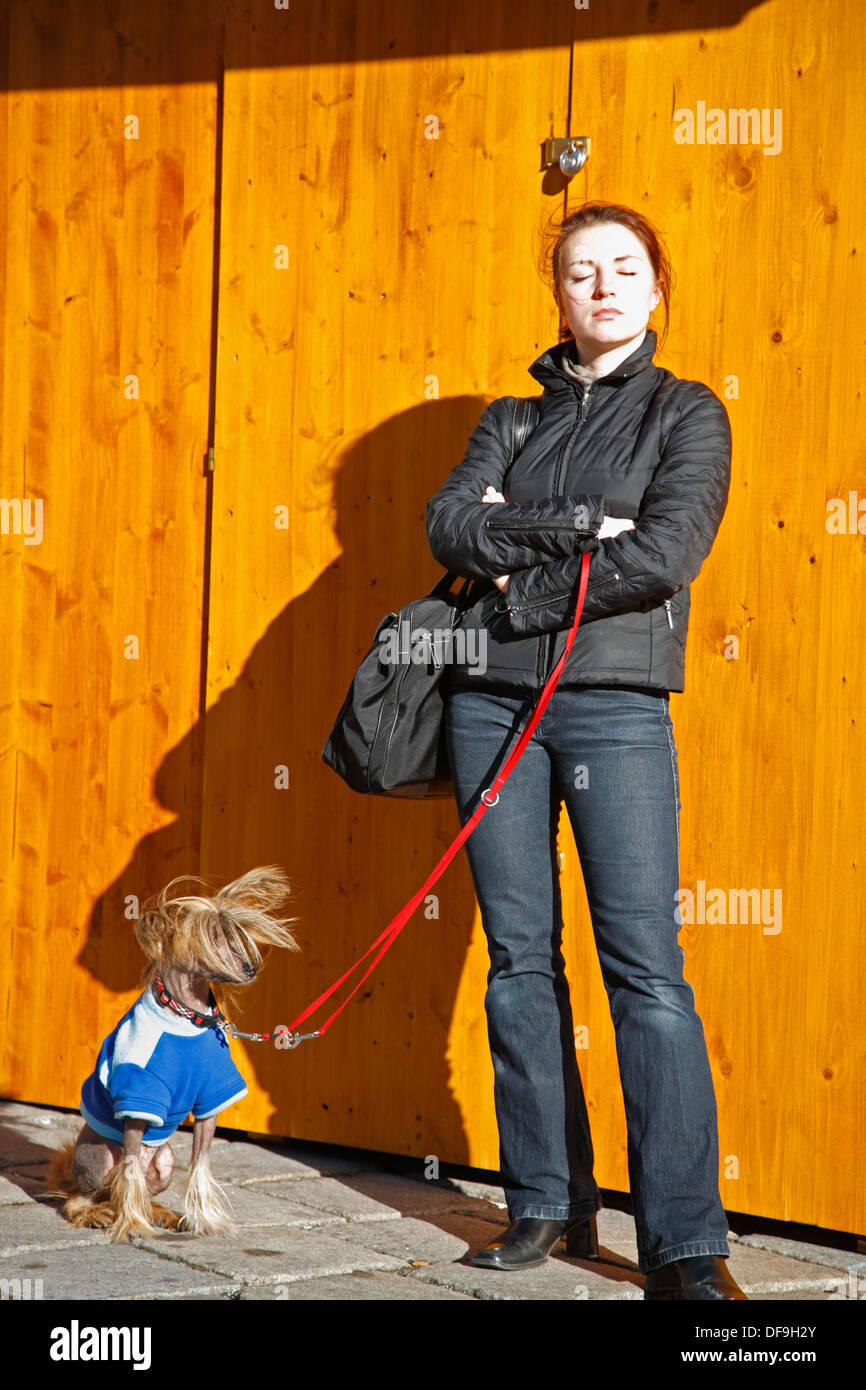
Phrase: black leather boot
pixel 695 1277
pixel 529 1240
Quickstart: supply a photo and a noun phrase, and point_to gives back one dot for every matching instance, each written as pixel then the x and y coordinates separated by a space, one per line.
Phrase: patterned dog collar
pixel 216 1019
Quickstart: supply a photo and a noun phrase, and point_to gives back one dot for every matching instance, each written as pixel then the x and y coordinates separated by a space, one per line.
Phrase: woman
pixel 633 465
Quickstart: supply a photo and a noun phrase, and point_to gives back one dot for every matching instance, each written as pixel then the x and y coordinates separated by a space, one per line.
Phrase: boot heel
pixel 581 1239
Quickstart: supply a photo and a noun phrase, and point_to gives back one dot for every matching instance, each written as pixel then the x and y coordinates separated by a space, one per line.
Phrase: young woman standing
pixel 632 464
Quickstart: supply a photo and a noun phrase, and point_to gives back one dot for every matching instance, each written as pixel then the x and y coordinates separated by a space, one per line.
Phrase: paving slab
pixel 558 1279
pixel 41 1125
pixel 761 1272
pixel 791 1296
pixel 440 1245
pixel 337 1225
pixel 33 1146
pixel 413 1241
pixel 802 1250
pixel 30 1226
pixel 256 1207
pixel 12 1194
pixel 259 1161
pixel 483 1191
pixel 267 1255
pixel 360 1285
pixel 414 1197
pixel 31 1179
pixel 113 1272
pixel 330 1195
pixel 239 1160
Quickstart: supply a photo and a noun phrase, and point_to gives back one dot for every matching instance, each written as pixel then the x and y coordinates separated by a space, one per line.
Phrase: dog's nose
pixel 250 970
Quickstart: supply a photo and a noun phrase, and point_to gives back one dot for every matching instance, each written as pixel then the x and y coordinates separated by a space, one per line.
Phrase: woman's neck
pixel 601 364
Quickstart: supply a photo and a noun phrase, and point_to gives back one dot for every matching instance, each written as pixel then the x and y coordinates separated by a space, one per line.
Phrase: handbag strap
pixel 387 938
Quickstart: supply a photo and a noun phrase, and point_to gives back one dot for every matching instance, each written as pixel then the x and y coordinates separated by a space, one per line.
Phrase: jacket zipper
pixel 534 526
pixel 538 603
pixel 546 649
pixel 542 603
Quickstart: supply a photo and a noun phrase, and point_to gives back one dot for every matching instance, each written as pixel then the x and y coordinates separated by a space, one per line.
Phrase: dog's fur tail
pixel 123 1207
pixel 80 1208
pixel 60 1180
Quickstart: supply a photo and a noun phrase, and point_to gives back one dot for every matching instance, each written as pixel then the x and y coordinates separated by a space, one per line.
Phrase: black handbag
pixel 389 738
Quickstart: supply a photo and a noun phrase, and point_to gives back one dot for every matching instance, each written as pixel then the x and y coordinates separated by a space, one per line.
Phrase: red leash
pixel 396 925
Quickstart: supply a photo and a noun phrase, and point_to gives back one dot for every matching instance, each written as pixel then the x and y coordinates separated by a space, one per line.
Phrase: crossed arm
pixel 539 547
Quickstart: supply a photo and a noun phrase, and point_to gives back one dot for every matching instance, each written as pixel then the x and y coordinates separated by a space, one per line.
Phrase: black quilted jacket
pixel 643 444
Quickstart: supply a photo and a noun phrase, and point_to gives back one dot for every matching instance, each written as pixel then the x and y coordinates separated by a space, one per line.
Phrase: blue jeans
pixel 609 753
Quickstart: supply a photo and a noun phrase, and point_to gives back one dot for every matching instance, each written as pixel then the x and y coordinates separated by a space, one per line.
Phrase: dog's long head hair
pixel 223 939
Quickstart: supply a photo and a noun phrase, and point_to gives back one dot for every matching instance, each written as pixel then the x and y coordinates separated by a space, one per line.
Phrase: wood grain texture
pixel 375 287
pixel 766 250
pixel 407 196
pixel 109 250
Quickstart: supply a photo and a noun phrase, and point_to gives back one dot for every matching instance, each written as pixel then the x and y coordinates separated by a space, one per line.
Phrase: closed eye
pixel 579 279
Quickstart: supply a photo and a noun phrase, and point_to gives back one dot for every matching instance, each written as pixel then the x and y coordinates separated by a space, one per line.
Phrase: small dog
pixel 169 1057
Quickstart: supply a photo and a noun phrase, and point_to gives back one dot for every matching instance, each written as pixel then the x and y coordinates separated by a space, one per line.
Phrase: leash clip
pixel 234 1032
pixel 283 1038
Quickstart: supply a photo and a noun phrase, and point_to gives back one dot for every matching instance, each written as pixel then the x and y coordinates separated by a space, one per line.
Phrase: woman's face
pixel 605 267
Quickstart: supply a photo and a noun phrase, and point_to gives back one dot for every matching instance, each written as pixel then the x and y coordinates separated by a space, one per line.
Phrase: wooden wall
pixel 319 254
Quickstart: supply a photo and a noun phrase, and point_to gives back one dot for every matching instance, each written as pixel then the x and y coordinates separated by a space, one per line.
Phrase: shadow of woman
pixel 247 785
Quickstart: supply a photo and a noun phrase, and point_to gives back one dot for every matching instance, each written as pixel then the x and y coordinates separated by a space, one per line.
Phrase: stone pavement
pixel 331 1224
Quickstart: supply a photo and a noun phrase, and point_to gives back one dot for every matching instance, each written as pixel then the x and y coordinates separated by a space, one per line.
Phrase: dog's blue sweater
pixel 160 1067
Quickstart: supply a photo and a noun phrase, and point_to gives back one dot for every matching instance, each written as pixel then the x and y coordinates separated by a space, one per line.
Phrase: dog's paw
pixel 165 1219
pixel 125 1227
pixel 82 1210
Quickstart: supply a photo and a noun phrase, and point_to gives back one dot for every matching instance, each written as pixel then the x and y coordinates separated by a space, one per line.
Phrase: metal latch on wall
pixel 570 154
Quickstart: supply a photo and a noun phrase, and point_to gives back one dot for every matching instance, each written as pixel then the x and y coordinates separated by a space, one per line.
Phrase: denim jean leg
pixel 626 825
pixel 545 1148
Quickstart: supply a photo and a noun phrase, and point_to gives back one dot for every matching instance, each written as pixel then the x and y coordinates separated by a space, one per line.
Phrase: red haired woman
pixel 632 464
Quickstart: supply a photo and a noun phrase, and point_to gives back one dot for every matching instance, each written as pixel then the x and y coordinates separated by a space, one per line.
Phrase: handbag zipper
pixel 403 675
pixel 668 611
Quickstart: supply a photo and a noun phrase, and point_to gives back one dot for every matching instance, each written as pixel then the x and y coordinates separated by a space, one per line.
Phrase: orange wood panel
pixel 380 210
pixel 107 343
pixel 767 310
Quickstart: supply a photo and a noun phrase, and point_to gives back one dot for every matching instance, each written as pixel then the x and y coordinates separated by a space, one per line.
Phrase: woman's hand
pixel 612 525
pixel 491 495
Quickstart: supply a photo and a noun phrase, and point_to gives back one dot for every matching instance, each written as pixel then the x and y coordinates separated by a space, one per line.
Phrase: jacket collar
pixel 549 371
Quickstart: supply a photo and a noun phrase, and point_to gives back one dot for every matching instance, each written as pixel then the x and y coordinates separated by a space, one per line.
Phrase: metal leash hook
pixel 281 1035
pixel 283 1038
pixel 234 1032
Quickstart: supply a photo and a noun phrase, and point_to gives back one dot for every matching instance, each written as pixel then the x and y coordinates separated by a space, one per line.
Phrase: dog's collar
pixel 215 1019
